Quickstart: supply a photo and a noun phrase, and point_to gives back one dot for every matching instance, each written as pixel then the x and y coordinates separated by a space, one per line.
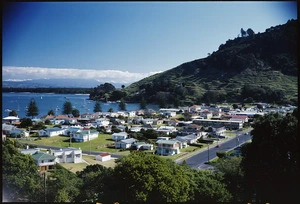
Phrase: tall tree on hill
pixel 67 108
pixel 243 32
pixel 32 109
pixel 97 107
pixel 250 32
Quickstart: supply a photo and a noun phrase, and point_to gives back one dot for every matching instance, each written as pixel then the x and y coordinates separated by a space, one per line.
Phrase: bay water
pixel 50 101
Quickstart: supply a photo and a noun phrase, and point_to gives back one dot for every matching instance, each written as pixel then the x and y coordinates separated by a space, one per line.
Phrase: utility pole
pixel 45 191
pixel 207 153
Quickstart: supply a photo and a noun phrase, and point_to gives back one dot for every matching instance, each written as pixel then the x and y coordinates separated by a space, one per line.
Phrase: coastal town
pixel 169 131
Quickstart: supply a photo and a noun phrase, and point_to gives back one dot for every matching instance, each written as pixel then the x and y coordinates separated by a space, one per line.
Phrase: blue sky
pixel 123 41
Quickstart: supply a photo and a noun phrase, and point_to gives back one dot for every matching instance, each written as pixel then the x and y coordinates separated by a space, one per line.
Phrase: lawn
pixel 74 167
pixel 184 152
pixel 99 144
pixel 92 160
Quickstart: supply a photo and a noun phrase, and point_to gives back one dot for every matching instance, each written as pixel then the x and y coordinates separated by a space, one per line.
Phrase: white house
pixel 102 122
pixel 67 155
pixel 85 135
pixel 167 147
pixel 136 129
pixel 70 130
pixel 169 112
pixel 189 139
pixel 142 146
pixel 49 132
pixel 166 129
pixel 103 157
pixel 220 131
pixel 125 144
pixel 44 160
pixel 163 138
pixel 206 114
pixel 119 136
pixel 131 114
pixel 147 121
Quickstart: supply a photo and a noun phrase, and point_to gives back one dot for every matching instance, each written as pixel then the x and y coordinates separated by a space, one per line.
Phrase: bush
pixel 221 154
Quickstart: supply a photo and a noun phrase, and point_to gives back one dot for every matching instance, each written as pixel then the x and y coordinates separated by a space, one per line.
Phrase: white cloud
pixel 26 73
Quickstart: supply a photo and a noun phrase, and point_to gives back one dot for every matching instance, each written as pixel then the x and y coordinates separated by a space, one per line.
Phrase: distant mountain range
pixel 56 83
pixel 258 67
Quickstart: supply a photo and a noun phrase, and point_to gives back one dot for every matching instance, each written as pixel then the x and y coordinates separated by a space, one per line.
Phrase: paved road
pixel 198 161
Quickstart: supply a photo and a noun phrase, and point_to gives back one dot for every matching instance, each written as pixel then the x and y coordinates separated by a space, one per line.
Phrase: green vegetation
pixel 103 143
pixel 32 109
pixel 20 178
pixel 270 161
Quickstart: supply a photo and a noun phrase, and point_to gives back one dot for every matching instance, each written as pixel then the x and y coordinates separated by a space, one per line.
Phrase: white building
pixel 119 136
pixel 85 135
pixel 49 132
pixel 103 157
pixel 169 112
pixel 67 155
pixel 125 144
pixel 189 139
pixel 102 122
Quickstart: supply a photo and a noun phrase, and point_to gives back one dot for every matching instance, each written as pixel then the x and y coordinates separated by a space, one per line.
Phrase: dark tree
pixel 122 105
pixel 51 112
pixel 32 109
pixel 117 95
pixel 20 178
pixel 143 104
pixel 271 161
pixel 96 180
pixel 162 102
pixel 97 107
pixel 243 32
pixel 13 113
pixel 250 32
pixel 67 108
pixel 25 122
pixel 110 110
pixel 75 113
pixel 235 106
pixel 62 185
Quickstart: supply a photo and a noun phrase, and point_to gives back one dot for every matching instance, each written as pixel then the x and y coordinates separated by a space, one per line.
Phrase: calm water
pixel 46 102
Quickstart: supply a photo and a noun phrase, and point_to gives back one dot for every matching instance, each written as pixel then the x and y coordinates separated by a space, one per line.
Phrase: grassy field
pixel 92 160
pixel 184 152
pixel 99 144
pixel 74 167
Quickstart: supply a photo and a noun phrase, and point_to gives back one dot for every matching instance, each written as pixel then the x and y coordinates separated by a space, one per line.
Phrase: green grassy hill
pixel 258 67
pixel 261 67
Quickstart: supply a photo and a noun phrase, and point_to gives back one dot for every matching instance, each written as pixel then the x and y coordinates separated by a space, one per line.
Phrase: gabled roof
pixel 129 141
pixel 104 154
pixel 167 142
pixel 41 156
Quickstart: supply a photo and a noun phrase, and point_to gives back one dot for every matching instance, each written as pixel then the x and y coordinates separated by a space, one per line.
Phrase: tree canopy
pixel 20 178
pixel 32 109
pixel 67 107
pixel 97 107
pixel 271 161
